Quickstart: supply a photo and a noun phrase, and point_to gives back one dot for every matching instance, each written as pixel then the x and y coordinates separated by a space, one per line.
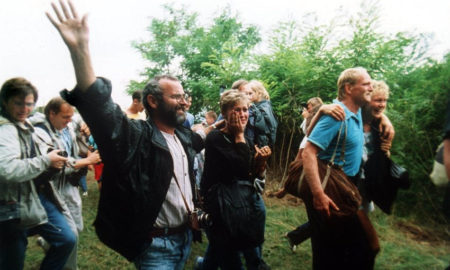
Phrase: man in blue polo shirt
pixel 341 247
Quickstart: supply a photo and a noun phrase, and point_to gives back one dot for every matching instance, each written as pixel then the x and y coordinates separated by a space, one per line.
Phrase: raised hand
pixel 73 30
pixel 75 33
pixel 261 156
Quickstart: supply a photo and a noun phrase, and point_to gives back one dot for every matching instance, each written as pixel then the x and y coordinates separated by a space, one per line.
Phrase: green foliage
pixel 304 60
pixel 205 58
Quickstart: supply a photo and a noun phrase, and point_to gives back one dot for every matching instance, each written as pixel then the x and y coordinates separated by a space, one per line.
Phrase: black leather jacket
pixel 138 168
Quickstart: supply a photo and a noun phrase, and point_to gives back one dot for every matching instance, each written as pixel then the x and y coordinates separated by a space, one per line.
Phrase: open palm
pixel 73 30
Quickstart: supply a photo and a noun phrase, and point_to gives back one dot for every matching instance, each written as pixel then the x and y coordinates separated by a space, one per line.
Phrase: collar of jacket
pixel 159 140
pixel 27 126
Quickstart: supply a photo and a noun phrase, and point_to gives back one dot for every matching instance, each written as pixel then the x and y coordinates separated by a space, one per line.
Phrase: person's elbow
pixel 310 151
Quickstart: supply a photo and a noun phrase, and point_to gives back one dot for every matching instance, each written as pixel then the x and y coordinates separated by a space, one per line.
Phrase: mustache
pixel 182 107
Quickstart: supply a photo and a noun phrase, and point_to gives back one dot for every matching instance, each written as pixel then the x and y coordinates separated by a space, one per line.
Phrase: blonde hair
pixel 315 101
pixel 348 76
pixel 380 88
pixel 259 89
pixel 230 98
pixel 238 84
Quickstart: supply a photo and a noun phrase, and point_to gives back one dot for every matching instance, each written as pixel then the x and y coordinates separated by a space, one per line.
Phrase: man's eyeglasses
pixel 179 97
pixel 23 104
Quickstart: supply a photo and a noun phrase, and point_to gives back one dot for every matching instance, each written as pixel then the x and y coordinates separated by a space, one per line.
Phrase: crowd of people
pixel 163 179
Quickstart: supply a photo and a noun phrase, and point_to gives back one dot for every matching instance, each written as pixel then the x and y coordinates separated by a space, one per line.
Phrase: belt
pixel 159 232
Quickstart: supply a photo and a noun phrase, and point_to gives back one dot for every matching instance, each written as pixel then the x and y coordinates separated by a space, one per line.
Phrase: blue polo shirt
pixel 324 136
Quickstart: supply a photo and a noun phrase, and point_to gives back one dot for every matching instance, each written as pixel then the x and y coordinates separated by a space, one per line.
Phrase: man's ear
pixel 152 101
pixel 348 89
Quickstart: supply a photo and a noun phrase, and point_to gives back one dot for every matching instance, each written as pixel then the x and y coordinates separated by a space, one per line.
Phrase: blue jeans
pixel 83 183
pixel 166 252
pixel 13 241
pixel 57 233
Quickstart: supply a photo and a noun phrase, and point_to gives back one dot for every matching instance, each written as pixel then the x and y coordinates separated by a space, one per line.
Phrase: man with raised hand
pixel 340 246
pixel 148 187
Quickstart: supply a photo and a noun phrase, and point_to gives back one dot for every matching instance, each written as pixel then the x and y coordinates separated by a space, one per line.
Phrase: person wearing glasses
pixel 27 208
pixel 148 179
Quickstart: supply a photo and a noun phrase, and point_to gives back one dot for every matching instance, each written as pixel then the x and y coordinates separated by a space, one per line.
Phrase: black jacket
pixel 381 183
pixel 138 168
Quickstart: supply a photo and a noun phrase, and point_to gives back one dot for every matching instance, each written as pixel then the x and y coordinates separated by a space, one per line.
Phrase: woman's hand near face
pixel 236 127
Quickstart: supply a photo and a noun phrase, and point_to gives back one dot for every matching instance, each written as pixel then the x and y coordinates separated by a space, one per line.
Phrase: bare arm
pixel 91 159
pixel 386 128
pixel 261 156
pixel 333 110
pixel 75 33
pixel 321 201
pixel 447 156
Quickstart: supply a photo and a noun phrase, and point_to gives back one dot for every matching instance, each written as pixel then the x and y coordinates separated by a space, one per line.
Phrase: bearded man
pixel 148 178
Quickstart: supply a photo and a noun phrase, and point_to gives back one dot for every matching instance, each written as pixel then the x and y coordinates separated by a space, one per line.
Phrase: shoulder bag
pixel 335 183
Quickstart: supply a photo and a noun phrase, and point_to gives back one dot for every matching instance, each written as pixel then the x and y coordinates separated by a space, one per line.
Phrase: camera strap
pixel 182 195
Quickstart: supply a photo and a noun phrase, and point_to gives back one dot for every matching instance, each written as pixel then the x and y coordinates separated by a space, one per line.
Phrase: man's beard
pixel 169 115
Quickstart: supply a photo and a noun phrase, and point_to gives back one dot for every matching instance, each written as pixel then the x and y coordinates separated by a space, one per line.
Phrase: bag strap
pixel 331 162
pixel 342 158
pixel 182 195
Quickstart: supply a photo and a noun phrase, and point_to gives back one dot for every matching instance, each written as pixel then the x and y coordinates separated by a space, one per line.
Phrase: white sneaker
pixel 292 246
pixel 40 241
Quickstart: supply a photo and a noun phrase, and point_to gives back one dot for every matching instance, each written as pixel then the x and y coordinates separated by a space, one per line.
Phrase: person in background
pixel 302 232
pixel 83 148
pixel 263 129
pixel 23 164
pixel 136 109
pixel 210 118
pixel 57 131
pixel 446 202
pixel 189 122
pixel 239 85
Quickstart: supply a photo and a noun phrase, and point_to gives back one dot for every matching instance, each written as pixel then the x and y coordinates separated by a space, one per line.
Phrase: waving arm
pixel 75 33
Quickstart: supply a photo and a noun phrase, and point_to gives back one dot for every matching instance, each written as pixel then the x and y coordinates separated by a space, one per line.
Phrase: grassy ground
pixel 404 243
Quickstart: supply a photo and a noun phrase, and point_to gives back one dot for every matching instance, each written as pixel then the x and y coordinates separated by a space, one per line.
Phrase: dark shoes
pixel 263 266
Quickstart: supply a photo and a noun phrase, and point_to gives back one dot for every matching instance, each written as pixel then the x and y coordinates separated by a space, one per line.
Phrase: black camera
pixel 204 219
pixel 199 219
pixel 63 153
